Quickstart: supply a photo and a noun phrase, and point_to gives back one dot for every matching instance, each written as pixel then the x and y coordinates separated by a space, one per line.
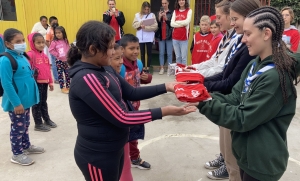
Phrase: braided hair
pixel 270 17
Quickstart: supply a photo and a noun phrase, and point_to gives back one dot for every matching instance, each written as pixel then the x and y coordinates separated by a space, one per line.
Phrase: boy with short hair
pixel 53 21
pixel 217 37
pixel 133 73
pixel 201 43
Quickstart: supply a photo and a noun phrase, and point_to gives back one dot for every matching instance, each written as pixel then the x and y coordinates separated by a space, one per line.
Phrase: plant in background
pixel 294 4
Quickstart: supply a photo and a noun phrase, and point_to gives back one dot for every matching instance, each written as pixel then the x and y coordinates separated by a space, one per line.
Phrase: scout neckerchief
pixel 236 46
pixel 252 77
pixel 225 42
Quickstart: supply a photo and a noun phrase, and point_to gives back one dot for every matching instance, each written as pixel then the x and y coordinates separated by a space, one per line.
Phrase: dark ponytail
pixel 92 33
pixel 73 55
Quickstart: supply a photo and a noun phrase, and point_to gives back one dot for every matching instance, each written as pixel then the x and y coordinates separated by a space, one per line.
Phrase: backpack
pixel 14 66
pixel 123 68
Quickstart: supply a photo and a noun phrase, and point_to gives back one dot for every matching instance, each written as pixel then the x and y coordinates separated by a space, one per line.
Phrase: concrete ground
pixel 176 147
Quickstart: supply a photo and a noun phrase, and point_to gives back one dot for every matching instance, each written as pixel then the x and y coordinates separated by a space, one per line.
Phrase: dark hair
pixel 43 17
pixel 117 46
pixel 144 5
pixel 92 33
pixel 128 38
pixel 36 35
pixel 225 5
pixel 214 22
pixel 63 31
pixel 270 17
pixel 52 18
pixel 9 35
pixel 177 7
pixel 244 7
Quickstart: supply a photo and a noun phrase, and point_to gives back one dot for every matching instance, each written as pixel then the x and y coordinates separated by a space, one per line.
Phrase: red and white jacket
pixel 181 23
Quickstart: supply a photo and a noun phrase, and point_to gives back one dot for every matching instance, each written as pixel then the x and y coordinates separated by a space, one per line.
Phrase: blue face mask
pixel 20 48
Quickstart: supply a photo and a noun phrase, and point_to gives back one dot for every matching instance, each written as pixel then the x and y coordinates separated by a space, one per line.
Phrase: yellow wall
pixel 72 14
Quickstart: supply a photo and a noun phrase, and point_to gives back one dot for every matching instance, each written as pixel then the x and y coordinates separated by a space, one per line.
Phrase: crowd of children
pixel 247 63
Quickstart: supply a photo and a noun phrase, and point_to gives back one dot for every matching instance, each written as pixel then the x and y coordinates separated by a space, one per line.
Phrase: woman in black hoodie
pixel 96 99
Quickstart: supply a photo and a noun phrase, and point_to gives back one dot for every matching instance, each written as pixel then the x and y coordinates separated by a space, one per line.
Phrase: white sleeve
pixel 174 23
pixel 205 65
pixel 187 21
pixel 212 70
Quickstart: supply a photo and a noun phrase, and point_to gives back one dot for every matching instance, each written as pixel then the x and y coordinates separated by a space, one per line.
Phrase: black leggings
pixel 246 177
pixel 103 166
pixel 149 53
pixel 40 110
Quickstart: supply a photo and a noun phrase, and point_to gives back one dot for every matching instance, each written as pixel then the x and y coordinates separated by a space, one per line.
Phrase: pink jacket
pixel 59 49
pixel 40 61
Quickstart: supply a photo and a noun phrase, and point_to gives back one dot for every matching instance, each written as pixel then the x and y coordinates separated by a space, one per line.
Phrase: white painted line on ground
pixel 148 142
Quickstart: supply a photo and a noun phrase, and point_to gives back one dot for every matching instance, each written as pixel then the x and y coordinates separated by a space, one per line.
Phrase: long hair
pixel 177 7
pixel 145 5
pixel 270 17
pixel 63 31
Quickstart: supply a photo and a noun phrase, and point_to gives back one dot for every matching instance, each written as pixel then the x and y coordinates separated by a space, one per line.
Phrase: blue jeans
pixel 181 51
pixel 162 46
pixel 19 137
pixel 54 69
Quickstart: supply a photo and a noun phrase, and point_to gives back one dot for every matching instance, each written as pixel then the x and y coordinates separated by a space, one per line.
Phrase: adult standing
pixel 180 21
pixel 115 19
pixel 145 32
pixel 164 34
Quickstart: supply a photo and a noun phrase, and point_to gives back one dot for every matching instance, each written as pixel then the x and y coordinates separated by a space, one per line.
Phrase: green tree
pixel 294 4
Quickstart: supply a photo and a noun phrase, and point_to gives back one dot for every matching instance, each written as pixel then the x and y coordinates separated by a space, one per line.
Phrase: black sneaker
pixel 51 124
pixel 41 127
pixel 141 164
pixel 218 174
pixel 216 163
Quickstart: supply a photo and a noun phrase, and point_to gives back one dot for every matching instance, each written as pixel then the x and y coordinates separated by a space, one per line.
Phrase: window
pixel 8 10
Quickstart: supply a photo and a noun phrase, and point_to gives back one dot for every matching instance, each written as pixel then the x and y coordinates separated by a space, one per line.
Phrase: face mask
pixel 20 48
pixel 54 25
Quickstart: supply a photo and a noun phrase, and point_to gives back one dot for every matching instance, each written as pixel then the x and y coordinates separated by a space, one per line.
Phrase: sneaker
pixel 65 90
pixel 41 127
pixel 216 163
pixel 33 150
pixel 141 164
pixel 21 159
pixel 161 72
pixel 218 174
pixel 51 124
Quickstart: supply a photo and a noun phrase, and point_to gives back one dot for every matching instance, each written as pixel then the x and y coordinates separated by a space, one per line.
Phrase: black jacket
pixel 224 81
pixel 120 19
pixel 169 28
pixel 96 100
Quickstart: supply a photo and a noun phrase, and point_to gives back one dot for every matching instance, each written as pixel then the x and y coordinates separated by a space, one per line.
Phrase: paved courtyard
pixel 176 147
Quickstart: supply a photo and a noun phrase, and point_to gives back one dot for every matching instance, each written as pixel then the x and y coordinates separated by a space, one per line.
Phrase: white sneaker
pixel 161 72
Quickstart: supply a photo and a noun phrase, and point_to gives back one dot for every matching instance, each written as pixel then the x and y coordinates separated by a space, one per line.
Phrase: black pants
pixel 101 166
pixel 246 177
pixel 40 110
pixel 149 53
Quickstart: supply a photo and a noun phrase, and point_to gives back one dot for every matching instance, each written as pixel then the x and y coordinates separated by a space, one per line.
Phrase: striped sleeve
pixel 101 100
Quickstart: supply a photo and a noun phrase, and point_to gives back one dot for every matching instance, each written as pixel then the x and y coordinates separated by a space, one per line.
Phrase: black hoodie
pixel 96 101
